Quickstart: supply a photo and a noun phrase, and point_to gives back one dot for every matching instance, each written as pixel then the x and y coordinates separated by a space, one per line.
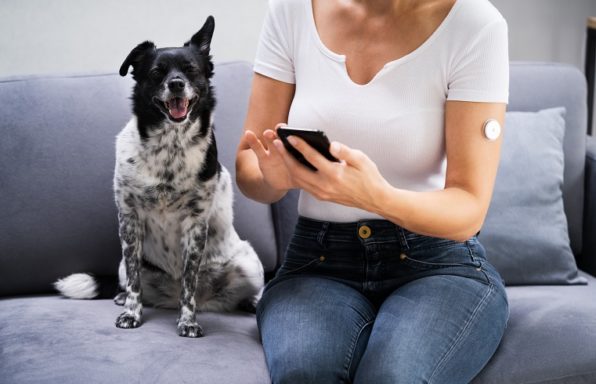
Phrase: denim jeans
pixel 372 303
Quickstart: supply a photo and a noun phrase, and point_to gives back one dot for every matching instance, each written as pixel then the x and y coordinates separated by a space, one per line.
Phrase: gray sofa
pixel 57 217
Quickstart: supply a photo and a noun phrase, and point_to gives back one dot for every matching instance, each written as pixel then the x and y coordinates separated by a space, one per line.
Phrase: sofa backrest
pixel 535 86
pixel 57 153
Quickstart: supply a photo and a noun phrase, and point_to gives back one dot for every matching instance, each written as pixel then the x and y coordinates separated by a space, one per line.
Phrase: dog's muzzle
pixel 176 101
pixel 176 108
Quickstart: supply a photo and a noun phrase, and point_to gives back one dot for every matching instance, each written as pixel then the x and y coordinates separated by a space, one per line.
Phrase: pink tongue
pixel 177 108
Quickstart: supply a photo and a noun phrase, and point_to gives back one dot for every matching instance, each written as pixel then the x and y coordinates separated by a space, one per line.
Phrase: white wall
pixel 66 36
pixel 547 30
pixel 47 36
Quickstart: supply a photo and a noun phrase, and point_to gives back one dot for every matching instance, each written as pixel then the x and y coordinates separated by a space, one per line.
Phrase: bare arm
pixel 260 172
pixel 459 210
pixel 455 212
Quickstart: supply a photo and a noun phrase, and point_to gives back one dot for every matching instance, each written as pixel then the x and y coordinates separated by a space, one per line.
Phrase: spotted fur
pixel 174 199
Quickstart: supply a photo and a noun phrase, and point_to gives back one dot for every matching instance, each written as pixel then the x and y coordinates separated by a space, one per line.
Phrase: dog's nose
pixel 176 85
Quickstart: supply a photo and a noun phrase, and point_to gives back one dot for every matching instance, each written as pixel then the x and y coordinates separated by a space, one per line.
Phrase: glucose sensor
pixel 492 129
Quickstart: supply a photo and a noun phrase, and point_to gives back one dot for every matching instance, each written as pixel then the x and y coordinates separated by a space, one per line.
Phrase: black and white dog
pixel 174 199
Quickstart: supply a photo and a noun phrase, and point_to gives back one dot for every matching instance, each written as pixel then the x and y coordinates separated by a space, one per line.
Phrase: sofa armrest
pixel 588 259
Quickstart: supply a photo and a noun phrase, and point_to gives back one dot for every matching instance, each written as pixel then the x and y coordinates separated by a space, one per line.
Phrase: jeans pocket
pixel 418 262
pixel 422 242
pixel 302 255
pixel 444 254
pixel 479 256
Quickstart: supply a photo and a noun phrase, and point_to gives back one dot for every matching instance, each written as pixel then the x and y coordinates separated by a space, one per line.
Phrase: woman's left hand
pixel 355 181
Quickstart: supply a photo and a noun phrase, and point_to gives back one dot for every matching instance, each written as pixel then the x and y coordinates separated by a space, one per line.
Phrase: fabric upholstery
pixel 525 232
pixel 54 340
pixel 587 260
pixel 535 86
pixel 550 337
pixel 58 212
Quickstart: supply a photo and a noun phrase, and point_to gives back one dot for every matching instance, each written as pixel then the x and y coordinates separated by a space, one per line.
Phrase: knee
pixel 304 373
pixel 391 375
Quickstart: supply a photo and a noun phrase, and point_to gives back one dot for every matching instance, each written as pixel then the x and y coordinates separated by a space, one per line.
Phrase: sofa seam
pixel 559 378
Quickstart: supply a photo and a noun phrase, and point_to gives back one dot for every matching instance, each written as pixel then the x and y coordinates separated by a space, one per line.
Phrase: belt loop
pixel 401 234
pixel 323 233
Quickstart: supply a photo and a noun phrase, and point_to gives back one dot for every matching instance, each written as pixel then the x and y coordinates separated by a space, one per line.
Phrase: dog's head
pixel 172 84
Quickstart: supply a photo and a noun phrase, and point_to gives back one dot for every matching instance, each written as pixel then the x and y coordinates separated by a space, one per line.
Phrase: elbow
pixel 469 231
pixel 472 219
pixel 464 236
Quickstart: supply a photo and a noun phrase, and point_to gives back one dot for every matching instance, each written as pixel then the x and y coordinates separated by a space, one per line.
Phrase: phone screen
pixel 315 138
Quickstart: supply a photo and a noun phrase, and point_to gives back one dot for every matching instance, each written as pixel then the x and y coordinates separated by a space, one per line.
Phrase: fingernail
pixel 278 144
pixel 292 140
pixel 335 147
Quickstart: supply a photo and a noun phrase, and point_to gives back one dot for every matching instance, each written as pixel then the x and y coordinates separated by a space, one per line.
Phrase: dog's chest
pixel 165 170
pixel 159 179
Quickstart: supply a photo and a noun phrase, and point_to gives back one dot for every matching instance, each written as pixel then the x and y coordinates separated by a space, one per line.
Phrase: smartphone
pixel 314 137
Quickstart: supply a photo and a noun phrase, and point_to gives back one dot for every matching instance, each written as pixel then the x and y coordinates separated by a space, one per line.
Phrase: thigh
pixel 313 329
pixel 437 329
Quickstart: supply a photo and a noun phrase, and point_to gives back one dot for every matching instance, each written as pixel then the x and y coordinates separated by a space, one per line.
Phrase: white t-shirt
pixel 397 119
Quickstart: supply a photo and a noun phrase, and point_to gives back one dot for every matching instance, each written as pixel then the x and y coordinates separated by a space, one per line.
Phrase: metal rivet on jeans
pixel 364 232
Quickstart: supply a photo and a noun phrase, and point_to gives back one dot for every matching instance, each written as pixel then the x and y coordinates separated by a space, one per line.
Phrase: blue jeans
pixel 372 303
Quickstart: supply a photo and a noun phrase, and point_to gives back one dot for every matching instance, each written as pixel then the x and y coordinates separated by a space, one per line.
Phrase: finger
pixel 351 156
pixel 304 177
pixel 255 144
pixel 268 136
pixel 310 154
pixel 286 156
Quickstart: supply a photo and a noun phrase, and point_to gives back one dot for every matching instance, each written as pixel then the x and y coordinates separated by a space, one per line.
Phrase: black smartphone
pixel 314 137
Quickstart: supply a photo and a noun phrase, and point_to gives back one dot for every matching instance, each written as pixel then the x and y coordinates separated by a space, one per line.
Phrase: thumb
pixel 345 153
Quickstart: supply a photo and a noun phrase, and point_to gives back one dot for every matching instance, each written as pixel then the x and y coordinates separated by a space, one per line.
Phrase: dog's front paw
pixel 126 320
pixel 189 329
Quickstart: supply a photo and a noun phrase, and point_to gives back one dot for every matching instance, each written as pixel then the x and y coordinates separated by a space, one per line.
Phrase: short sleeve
pixel 481 71
pixel 274 54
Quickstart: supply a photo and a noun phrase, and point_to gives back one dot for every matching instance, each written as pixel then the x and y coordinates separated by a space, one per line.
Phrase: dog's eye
pixel 156 73
pixel 191 69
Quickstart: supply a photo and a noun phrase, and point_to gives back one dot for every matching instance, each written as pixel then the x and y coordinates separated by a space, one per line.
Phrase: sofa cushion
pixel 549 338
pixel 57 155
pixel 525 232
pixel 54 340
pixel 535 86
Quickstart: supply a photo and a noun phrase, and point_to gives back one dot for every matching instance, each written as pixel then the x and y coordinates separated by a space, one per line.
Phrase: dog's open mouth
pixel 177 108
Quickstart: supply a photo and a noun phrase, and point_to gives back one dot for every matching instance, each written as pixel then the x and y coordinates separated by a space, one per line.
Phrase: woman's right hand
pixel 261 173
pixel 273 168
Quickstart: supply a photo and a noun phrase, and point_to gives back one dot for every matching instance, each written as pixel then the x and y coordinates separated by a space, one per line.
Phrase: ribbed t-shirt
pixel 397 119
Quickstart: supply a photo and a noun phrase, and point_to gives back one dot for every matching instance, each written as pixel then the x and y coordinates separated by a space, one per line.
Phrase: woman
pixel 384 280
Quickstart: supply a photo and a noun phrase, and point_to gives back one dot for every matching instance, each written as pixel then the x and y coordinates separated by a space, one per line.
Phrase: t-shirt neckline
pixel 341 59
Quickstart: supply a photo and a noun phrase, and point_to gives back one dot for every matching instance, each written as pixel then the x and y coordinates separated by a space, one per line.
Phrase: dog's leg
pixel 120 298
pixel 131 235
pixel 194 241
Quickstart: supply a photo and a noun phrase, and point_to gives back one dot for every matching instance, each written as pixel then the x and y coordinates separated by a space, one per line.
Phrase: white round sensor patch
pixel 492 129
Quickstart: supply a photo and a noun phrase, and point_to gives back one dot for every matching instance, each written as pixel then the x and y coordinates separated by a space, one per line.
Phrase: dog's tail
pixel 86 286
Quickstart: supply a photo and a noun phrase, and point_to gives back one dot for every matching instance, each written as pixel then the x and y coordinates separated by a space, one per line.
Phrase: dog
pixel 174 198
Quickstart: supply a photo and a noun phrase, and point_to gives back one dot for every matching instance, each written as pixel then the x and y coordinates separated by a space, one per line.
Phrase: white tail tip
pixel 77 286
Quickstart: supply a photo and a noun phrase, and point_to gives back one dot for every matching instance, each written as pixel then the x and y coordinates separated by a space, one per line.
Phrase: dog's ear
pixel 135 56
pixel 202 39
